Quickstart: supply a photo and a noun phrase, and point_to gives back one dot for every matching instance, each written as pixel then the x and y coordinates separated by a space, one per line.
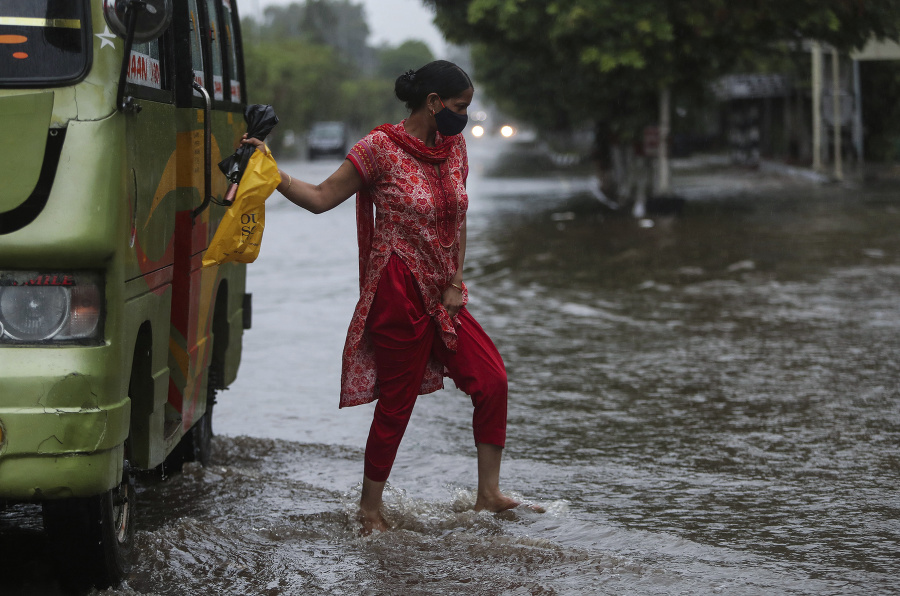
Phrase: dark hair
pixel 441 77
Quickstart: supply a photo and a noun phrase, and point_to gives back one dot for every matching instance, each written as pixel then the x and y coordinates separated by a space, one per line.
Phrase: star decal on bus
pixel 106 38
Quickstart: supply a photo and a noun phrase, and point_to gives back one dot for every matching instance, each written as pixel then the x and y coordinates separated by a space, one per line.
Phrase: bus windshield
pixel 43 42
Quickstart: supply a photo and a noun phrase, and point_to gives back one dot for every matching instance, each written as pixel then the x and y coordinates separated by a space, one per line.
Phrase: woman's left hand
pixel 452 300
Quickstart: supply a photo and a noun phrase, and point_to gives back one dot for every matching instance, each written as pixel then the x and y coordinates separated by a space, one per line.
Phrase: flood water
pixel 704 404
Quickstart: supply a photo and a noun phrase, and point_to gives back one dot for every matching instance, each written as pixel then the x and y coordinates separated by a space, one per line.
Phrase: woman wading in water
pixel 411 326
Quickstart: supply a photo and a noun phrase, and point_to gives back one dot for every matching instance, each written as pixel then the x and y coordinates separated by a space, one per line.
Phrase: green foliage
pixel 556 63
pixel 368 102
pixel 310 60
pixel 411 54
pixel 339 24
pixel 300 79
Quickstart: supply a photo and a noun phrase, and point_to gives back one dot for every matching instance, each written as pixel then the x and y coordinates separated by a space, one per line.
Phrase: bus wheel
pixel 198 441
pixel 200 445
pixel 92 538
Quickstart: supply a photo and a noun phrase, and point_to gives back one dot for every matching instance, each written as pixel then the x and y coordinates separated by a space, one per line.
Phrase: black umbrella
pixel 261 119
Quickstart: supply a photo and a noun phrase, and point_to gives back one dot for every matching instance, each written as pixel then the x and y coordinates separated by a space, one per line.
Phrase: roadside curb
pixel 773 167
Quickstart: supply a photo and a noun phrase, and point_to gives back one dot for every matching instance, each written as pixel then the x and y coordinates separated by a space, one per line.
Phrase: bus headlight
pixel 40 307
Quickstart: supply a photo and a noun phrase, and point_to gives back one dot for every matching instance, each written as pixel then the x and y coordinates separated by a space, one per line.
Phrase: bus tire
pixel 199 447
pixel 92 538
pixel 197 442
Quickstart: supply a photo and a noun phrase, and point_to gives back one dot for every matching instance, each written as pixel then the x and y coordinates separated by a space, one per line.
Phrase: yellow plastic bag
pixel 239 234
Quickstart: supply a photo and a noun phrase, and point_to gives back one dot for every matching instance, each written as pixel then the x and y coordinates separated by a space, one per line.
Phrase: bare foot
pixel 495 503
pixel 372 521
pixel 504 503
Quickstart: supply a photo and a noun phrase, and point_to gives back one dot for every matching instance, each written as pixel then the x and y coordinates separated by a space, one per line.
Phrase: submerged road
pixel 704 404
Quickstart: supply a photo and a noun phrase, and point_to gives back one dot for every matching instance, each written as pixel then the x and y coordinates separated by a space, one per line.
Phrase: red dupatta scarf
pixel 365 204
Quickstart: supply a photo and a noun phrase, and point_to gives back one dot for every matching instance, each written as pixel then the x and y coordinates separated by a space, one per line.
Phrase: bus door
pixel 210 123
pixel 228 125
pixel 152 152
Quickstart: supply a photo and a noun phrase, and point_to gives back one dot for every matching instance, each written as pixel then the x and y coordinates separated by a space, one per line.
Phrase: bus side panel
pixel 229 126
pixel 236 276
pixel 194 287
pixel 149 268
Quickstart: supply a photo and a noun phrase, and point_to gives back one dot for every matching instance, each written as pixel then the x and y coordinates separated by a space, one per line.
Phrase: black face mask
pixel 450 123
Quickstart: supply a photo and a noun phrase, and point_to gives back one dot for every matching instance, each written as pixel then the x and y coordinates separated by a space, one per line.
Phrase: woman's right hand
pixel 246 140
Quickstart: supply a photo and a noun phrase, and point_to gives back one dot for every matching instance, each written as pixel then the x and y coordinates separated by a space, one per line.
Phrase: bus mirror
pixel 152 17
pixel 135 21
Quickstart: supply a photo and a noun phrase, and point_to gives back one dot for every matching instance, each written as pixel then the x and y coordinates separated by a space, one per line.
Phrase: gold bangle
pixel 290 181
pixel 457 287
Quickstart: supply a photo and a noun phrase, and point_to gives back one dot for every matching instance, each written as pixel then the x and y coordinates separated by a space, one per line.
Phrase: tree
pixel 310 60
pixel 559 63
pixel 411 54
pixel 339 24
pixel 368 102
pixel 302 81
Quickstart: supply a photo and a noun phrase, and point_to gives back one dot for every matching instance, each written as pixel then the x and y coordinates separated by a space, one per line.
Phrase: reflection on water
pixel 729 377
pixel 708 405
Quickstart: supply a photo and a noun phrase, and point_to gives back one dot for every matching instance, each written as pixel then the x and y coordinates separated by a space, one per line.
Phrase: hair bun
pixel 405 86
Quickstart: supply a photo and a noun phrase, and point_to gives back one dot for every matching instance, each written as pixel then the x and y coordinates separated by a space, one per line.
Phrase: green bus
pixel 113 338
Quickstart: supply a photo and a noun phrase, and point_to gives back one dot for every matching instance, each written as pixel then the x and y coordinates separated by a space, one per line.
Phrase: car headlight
pixel 41 307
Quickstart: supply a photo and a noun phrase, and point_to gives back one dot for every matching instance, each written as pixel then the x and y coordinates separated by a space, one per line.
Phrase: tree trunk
pixel 664 186
pixel 816 106
pixel 603 160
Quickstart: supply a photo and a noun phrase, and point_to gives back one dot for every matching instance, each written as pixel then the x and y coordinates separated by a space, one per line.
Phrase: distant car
pixel 327 139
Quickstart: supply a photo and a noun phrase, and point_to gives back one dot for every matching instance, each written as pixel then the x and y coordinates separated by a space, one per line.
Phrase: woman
pixel 410 327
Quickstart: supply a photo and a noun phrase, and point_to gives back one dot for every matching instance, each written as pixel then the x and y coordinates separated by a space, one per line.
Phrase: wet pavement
pixel 705 404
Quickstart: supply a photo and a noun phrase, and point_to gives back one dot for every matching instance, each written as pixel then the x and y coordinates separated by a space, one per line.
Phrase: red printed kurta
pixel 419 210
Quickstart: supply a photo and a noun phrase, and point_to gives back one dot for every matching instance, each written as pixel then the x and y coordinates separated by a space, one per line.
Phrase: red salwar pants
pixel 404 336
